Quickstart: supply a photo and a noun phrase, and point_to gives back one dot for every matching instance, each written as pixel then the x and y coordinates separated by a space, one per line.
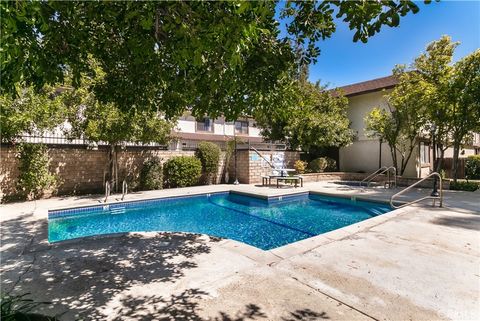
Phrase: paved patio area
pixel 418 263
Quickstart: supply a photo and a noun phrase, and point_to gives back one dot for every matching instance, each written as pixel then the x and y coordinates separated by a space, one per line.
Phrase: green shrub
pixel 472 167
pixel 209 155
pixel 317 165
pixel 464 186
pixel 18 307
pixel 331 165
pixel 322 164
pixel 182 171
pixel 151 176
pixel 35 176
pixel 300 166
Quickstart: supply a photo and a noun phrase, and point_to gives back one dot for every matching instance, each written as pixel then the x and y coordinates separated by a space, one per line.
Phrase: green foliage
pixel 209 155
pixel 151 176
pixel 472 167
pixel 161 56
pixel 331 165
pixel 217 57
pixel 322 164
pixel 464 186
pixel 307 117
pixel 400 125
pixel 34 176
pixel 19 308
pixel 29 113
pixel 446 95
pixel 182 171
pixel 300 166
pixel 317 165
pixel 107 122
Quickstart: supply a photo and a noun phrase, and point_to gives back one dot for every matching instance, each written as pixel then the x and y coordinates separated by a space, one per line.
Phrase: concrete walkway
pixel 419 263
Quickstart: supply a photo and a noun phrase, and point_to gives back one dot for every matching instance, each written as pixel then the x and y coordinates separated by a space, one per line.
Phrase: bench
pixel 296 179
pixel 266 180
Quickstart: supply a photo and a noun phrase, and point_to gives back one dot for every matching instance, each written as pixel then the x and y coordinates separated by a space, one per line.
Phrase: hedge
pixel 151 176
pixel 464 186
pixel 322 164
pixel 182 171
pixel 209 155
pixel 472 167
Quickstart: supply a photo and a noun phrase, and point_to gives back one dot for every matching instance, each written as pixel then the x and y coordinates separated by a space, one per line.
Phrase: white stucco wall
pixel 466 152
pixel 363 154
pixel 186 126
pixel 253 131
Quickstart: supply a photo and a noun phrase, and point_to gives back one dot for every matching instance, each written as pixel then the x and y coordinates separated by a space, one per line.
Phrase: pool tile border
pixel 57 213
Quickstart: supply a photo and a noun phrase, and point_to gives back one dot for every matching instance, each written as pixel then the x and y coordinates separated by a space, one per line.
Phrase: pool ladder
pixel 431 196
pixel 108 190
pixel 380 171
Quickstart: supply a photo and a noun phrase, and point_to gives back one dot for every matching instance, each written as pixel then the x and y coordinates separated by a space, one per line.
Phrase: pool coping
pixel 273 255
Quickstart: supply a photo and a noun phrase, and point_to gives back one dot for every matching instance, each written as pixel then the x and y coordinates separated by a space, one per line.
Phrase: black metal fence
pixel 178 144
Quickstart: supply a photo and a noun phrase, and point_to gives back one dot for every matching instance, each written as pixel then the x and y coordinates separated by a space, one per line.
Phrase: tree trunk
pixel 456 152
pixel 393 152
pixel 437 167
pixel 113 167
pixel 405 160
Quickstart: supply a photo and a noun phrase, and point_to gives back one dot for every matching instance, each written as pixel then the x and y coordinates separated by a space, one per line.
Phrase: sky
pixel 343 62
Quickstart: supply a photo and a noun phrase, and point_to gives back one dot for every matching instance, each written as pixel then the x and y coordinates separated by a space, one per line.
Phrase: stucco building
pixel 367 154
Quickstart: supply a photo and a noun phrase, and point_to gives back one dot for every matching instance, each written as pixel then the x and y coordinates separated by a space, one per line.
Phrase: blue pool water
pixel 265 224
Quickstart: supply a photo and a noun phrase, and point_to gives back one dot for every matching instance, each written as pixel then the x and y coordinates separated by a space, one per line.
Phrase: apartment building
pixel 190 131
pixel 367 154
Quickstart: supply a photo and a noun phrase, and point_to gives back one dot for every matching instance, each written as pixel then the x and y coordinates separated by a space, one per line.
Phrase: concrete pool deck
pixel 418 263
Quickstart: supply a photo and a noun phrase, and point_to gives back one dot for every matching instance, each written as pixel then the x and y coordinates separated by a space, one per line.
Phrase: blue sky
pixel 344 62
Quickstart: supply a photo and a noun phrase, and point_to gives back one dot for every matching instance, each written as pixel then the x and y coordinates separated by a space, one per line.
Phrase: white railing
pixel 124 189
pixel 107 191
pixel 380 171
pixel 433 197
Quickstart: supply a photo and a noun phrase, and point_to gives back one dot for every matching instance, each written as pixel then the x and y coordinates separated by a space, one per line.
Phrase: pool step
pixel 118 210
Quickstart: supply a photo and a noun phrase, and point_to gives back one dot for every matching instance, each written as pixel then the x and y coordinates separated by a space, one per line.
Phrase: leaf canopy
pixel 212 57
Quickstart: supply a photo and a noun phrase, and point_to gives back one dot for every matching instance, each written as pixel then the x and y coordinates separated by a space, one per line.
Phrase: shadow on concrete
pixel 470 222
pixel 79 276
pixel 90 279
pixel 306 315
pixel 184 306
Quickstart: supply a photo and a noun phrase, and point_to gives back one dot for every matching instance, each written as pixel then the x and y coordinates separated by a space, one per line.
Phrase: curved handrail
pixel 124 189
pixel 107 190
pixel 373 174
pixel 440 197
pixel 380 171
pixel 394 175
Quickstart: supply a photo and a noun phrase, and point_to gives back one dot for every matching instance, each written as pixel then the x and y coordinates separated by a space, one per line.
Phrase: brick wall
pixel 250 166
pixel 345 176
pixel 81 170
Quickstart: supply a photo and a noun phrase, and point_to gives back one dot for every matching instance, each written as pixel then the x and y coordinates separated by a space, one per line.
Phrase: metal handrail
pixel 380 171
pixel 373 174
pixel 124 189
pixel 394 176
pixel 268 162
pixel 440 197
pixel 107 190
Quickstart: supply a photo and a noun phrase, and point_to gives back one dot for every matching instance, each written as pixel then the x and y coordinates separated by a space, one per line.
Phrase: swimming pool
pixel 263 223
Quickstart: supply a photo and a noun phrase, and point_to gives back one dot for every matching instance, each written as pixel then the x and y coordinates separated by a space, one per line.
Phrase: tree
pixel 212 57
pixel 309 117
pixel 453 106
pixel 98 122
pixel 30 113
pixel 465 103
pixel 401 125
pixel 435 69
